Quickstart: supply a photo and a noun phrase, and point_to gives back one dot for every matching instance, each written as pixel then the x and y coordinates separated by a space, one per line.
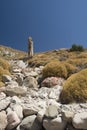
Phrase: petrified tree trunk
pixel 30 47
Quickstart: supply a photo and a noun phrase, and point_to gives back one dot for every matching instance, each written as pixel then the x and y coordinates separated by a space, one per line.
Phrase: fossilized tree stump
pixel 30 47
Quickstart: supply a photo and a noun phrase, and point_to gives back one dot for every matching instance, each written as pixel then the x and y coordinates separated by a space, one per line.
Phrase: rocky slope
pixel 30 102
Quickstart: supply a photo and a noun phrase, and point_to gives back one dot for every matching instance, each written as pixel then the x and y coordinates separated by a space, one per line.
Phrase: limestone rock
pixel 51 111
pixel 3 120
pixel 4 103
pixel 30 123
pixel 13 120
pixel 54 124
pixel 80 121
pixel 40 115
pixel 18 109
pixel 30 82
pixel 52 81
pixel 18 91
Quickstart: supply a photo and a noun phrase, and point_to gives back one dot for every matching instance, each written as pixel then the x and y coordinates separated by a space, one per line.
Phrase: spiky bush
pixel 75 88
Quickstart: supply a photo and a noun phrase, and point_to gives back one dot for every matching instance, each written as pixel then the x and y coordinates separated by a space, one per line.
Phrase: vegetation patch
pixel 58 69
pixel 75 88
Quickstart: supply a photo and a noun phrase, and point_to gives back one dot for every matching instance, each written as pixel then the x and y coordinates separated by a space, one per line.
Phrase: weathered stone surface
pixel 6 78
pixel 54 124
pixel 30 123
pixel 12 91
pixel 12 119
pixel 18 109
pixel 15 100
pixel 80 120
pixel 52 81
pixel 2 96
pixel 30 82
pixel 51 111
pixel 40 115
pixel 29 111
pixel 3 120
pixel 4 103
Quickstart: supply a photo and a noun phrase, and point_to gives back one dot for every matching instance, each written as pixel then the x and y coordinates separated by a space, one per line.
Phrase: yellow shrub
pixel 61 69
pixel 4 64
pixel 71 69
pixel 75 88
pixel 1 84
pixel 54 68
pixel 3 71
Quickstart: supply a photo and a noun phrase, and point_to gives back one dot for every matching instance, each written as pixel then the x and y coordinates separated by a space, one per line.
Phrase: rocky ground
pixel 27 102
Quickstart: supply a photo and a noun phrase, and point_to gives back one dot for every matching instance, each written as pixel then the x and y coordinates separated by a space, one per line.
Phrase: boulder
pixel 12 119
pixel 28 111
pixel 54 92
pixel 52 81
pixel 54 124
pixel 4 103
pixel 30 82
pixel 2 96
pixel 21 64
pixel 18 91
pixel 40 115
pixel 18 109
pixel 30 123
pixel 80 121
pixel 15 100
pixel 3 120
pixel 51 111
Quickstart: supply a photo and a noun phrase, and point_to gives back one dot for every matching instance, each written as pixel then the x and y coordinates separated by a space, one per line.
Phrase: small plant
pixel 76 48
pixel 75 88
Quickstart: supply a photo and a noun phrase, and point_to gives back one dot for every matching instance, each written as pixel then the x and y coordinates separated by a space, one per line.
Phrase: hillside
pixel 35 91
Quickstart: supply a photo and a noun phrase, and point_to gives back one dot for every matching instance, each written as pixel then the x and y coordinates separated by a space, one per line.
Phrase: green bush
pixel 75 88
pixel 76 48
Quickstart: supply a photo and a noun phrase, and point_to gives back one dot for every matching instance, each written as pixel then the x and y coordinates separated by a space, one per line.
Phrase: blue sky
pixel 52 24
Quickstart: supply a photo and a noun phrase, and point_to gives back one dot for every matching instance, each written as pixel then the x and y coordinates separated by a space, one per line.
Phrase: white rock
pixel 18 109
pixel 51 111
pixel 40 115
pixel 30 82
pixel 54 92
pixel 54 124
pixel 4 103
pixel 12 91
pixel 3 120
pixel 2 95
pixel 30 123
pixel 80 120
pixel 13 120
pixel 16 70
pixel 16 100
pixel 21 64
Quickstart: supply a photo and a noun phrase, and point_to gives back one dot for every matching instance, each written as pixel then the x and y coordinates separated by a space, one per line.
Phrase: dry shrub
pixel 2 72
pixel 60 69
pixel 4 64
pixel 75 88
pixel 54 68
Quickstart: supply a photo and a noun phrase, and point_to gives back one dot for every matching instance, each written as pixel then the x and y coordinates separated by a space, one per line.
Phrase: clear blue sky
pixel 52 24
